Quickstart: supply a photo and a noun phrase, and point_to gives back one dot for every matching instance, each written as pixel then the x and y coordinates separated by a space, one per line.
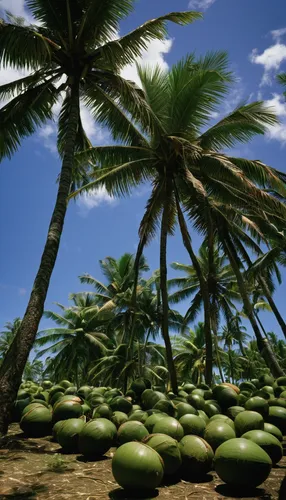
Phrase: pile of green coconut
pixel 235 430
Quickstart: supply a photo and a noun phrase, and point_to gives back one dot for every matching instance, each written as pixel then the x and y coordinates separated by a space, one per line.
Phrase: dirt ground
pixel 36 469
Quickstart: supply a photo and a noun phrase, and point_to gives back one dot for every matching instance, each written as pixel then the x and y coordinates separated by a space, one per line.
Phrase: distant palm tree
pixel 75 58
pixel 190 354
pixel 81 337
pixel 34 370
pixel 220 281
pixel 8 335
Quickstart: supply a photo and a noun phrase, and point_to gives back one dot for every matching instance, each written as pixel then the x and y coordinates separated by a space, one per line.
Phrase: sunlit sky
pixel 253 32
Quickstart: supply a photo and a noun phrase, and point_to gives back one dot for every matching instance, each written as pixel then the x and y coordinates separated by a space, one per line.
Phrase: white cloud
pixel 278 131
pixel 22 291
pixel 94 198
pixel 152 56
pixel 200 4
pixel 278 34
pixel 272 57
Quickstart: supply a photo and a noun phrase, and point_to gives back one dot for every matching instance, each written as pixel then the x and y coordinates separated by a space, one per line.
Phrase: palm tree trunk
pixel 272 304
pixel 262 343
pixel 14 362
pixel 270 300
pixel 230 364
pixel 260 324
pixel 204 291
pixel 219 365
pixel 164 295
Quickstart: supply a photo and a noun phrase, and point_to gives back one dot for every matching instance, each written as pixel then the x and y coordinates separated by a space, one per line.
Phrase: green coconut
pixel 121 404
pixel 196 401
pixel 234 410
pixel 203 415
pixel 165 406
pixel 185 409
pixel 136 407
pixel 56 397
pixel 32 406
pixel 223 418
pixel 212 408
pixel 119 418
pixel 136 466
pixel 55 389
pixel 197 456
pixel 169 426
pixel 183 394
pixel 248 421
pixel 193 424
pixel 65 383
pixel 37 422
pixel 56 429
pixel 280 381
pixel 84 391
pixel 95 401
pixel 103 411
pixel 267 379
pixel 18 408
pixel 139 416
pixel 131 431
pixel 65 409
pixel 199 392
pixel 268 443
pixel 71 390
pixel 47 384
pixel 240 462
pixel 227 397
pixel 138 386
pixel 168 450
pixel 188 387
pixel 247 386
pixel 86 409
pixel 272 429
pixel 68 432
pixel 22 394
pixel 277 416
pixel 217 432
pixel 153 419
pixel 258 404
pixel 280 402
pixel 40 402
pixel 149 398
pixel 97 437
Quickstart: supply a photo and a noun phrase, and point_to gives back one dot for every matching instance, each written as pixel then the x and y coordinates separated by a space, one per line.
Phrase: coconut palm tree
pixel 190 354
pixel 74 56
pixel 7 336
pixel 221 289
pixel 185 165
pixel 81 337
pixel 34 370
pixel 282 79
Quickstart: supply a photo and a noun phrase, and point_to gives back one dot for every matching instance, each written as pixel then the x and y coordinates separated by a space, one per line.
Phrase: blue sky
pixel 253 32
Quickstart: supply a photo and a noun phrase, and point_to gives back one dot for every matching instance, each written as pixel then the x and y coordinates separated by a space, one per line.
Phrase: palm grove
pixel 164 136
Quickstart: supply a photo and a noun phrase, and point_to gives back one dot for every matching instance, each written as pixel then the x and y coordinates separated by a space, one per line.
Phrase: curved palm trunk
pixel 262 343
pixel 164 295
pixel 272 304
pixel 204 291
pixel 231 364
pixel 14 362
pixel 270 300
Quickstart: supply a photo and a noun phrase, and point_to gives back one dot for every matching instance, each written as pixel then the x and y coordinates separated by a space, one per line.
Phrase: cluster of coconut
pixel 238 431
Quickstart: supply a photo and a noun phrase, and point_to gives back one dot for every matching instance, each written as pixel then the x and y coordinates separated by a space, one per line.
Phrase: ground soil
pixel 36 469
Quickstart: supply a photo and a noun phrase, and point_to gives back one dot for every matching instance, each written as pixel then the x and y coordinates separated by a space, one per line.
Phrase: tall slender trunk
pixel 260 323
pixel 164 294
pixel 219 365
pixel 14 362
pixel 230 364
pixel 262 343
pixel 269 298
pixel 272 304
pixel 204 291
